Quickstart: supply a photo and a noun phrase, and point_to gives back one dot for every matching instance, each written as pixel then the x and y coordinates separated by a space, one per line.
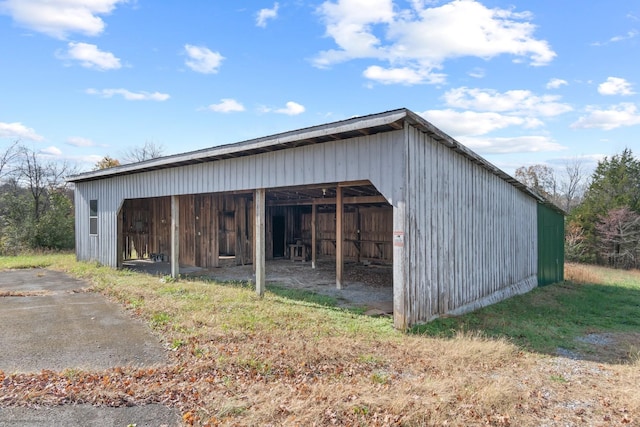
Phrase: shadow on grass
pixel 301 295
pixel 568 319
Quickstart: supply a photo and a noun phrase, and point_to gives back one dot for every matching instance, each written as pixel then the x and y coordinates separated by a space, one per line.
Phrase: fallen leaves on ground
pixel 267 383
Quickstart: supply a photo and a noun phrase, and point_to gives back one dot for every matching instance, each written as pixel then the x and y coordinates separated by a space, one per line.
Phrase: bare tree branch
pixel 8 156
pixel 573 184
pixel 150 150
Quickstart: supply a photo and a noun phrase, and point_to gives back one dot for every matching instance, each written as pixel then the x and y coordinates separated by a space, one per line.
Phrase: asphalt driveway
pixel 48 321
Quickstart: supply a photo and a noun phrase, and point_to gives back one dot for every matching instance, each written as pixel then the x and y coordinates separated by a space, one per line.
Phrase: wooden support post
pixel 259 206
pixel 314 243
pixel 215 231
pixel 120 237
pixel 240 226
pixel 339 238
pixel 358 235
pixel 175 236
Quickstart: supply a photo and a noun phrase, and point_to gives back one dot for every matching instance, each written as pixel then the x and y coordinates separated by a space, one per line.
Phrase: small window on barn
pixel 93 217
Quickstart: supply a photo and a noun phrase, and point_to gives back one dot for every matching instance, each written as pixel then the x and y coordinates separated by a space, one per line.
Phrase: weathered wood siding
pixel 470 238
pixel 210 225
pixel 378 158
pixel 146 227
pixel 372 242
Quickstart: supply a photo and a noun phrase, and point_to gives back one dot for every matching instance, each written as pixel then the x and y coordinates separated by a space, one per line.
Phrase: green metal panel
pixel 550 245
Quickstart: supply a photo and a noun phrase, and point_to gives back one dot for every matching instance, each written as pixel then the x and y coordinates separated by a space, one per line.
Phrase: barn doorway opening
pixel 278 227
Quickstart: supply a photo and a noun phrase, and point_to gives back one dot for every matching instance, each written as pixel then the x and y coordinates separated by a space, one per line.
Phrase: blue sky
pixel 518 82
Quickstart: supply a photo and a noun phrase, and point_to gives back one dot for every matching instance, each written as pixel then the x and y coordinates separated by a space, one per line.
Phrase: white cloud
pixel 90 56
pixel 349 24
pixel 615 39
pixel 202 59
pixel 128 95
pixel 520 144
pixel 265 14
pixel 406 76
pixel 291 109
pixel 51 151
pixel 477 73
pixel 556 83
pixel 422 38
pixel 623 114
pixel 58 18
pixel 629 35
pixel 615 86
pixel 78 141
pixel 226 105
pixel 17 130
pixel 519 102
pixel 588 160
pixel 460 124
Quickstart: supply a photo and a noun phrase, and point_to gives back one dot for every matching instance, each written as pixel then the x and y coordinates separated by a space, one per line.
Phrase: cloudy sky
pixel 518 82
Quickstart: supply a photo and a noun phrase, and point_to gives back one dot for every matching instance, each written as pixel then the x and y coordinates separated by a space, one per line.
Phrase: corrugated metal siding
pixel 550 246
pixel 470 238
pixel 377 158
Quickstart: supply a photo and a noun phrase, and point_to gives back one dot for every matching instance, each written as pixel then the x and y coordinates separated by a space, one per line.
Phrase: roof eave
pixel 269 143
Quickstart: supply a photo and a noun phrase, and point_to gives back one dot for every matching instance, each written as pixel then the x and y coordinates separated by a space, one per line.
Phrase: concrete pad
pixel 87 415
pixel 68 328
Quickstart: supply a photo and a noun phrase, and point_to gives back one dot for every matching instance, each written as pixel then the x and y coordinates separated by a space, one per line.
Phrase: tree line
pixel 603 209
pixel 36 203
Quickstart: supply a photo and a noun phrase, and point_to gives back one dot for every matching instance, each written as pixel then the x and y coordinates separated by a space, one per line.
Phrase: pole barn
pixel 388 187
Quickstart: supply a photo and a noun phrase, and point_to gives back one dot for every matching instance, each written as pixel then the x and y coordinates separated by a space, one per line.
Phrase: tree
pixel 573 184
pixel 540 178
pixel 8 156
pixel 619 238
pixel 16 216
pixel 150 150
pixel 575 248
pixel 105 163
pixel 56 225
pixel 40 177
pixel 35 204
pixel 615 183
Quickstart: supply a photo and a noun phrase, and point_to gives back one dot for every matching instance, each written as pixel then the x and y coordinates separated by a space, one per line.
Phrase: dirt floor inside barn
pixel 366 285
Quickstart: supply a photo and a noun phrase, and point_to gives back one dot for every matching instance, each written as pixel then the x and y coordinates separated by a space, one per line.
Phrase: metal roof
pixel 344 129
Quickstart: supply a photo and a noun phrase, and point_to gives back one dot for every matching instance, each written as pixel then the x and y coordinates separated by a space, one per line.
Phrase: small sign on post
pixel 398 239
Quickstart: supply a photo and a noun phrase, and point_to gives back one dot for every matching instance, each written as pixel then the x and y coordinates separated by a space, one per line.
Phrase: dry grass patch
pixel 242 360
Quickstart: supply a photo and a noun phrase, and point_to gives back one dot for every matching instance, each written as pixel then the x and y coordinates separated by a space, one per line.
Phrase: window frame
pixel 93 217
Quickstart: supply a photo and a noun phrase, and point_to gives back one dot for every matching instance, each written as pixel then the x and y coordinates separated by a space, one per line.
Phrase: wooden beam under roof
pixel 358 200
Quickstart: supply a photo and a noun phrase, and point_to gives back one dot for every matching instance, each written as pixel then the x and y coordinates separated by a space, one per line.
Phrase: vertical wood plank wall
pixel 470 237
pixel 147 228
pixel 374 239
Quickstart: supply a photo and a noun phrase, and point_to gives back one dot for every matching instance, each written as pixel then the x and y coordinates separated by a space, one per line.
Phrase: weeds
pixel 160 319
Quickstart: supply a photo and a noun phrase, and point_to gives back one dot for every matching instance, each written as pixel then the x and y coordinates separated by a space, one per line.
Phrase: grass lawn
pixel 294 358
pixel 592 300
